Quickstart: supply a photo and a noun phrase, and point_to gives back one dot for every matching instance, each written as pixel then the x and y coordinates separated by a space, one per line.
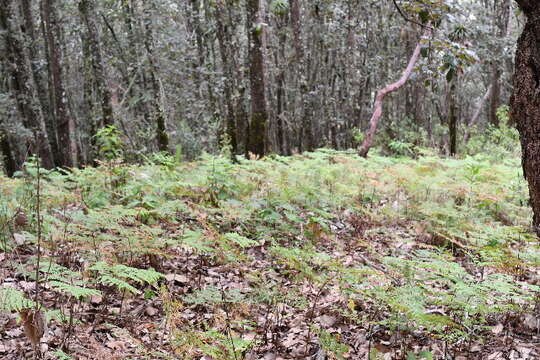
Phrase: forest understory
pixel 324 255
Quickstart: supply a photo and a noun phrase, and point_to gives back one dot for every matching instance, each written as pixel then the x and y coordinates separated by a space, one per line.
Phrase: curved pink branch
pixel 377 112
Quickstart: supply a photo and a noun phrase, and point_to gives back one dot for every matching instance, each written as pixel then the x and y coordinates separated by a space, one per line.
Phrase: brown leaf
pixel 34 325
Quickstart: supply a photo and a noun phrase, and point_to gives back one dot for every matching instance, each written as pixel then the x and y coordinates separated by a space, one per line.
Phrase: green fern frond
pixel 139 275
pixel 118 283
pixel 14 300
pixel 77 292
pixel 118 275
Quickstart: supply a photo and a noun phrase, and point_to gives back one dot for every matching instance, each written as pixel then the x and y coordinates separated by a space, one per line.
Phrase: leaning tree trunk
pixel 525 101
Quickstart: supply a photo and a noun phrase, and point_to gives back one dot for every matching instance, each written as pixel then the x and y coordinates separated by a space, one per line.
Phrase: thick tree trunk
pixel 257 138
pixel 305 140
pixel 65 124
pixel 525 101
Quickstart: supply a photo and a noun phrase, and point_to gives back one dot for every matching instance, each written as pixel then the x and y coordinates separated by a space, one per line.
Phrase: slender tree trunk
pixel 377 113
pixel 525 101
pixel 10 165
pixel 87 10
pixel 224 40
pixel 452 119
pixel 257 138
pixel 502 14
pixel 495 100
pixel 477 112
pixel 280 59
pixel 158 111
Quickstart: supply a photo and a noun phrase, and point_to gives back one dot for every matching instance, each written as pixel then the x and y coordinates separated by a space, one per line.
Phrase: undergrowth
pixel 433 246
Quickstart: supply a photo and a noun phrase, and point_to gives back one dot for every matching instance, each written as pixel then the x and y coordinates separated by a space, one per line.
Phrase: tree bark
pixel 22 86
pixel 525 102
pixel 158 113
pixel 452 116
pixel 257 138
pixel 502 14
pixel 305 140
pixel 377 113
pixel 87 9
pixel 10 165
pixel 65 124
pixel 40 81
pixel 224 40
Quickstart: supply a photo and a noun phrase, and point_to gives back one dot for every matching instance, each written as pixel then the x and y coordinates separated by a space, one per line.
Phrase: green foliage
pixel 109 143
pixel 14 300
pixel 164 159
pixel 331 345
pixel 421 223
pixel 119 276
pixel 496 142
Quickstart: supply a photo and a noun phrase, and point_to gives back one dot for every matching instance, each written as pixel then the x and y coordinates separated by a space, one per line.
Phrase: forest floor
pixel 318 256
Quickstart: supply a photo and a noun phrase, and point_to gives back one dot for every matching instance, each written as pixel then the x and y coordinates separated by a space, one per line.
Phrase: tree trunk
pixel 65 124
pixel 10 165
pixel 525 101
pixel 224 40
pixel 259 112
pixel 22 86
pixel 305 140
pixel 158 113
pixel 87 9
pixel 502 14
pixel 452 116
pixel 39 80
